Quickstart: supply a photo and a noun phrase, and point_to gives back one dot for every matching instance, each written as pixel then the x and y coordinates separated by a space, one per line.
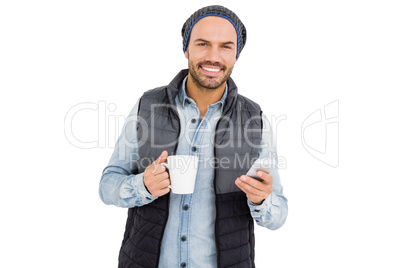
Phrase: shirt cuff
pixel 141 192
pixel 265 206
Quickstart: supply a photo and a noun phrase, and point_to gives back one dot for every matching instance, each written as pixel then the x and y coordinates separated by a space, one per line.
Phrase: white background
pixel 299 57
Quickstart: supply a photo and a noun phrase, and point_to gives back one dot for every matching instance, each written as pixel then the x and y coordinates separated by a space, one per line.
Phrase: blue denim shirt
pixel 189 235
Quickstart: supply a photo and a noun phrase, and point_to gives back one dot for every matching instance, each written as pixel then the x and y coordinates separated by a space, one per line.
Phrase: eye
pixel 202 44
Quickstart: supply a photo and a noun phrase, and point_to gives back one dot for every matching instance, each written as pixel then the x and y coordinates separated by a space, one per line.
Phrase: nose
pixel 213 54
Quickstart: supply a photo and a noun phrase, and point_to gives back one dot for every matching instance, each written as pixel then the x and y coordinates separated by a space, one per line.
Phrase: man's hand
pixel 255 190
pixel 156 179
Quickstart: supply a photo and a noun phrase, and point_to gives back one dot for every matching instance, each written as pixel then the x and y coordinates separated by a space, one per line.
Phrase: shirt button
pixel 183 264
pixel 188 101
pixel 183 238
pixel 194 149
pixel 193 120
pixel 185 207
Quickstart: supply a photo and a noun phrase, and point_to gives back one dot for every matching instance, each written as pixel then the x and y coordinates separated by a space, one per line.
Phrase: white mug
pixel 182 172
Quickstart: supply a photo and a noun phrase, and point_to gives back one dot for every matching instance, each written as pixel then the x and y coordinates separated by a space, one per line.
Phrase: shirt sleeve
pixel 120 184
pixel 273 211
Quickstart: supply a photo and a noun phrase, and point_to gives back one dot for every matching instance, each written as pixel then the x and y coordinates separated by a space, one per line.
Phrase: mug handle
pixel 167 170
pixel 166 166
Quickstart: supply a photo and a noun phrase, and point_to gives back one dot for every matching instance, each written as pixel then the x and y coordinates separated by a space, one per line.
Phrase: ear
pixel 186 53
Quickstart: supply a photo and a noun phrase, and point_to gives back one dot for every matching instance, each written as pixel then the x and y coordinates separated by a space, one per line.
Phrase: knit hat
pixel 218 11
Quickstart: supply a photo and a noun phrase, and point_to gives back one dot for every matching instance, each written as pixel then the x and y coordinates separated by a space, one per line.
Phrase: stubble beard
pixel 206 82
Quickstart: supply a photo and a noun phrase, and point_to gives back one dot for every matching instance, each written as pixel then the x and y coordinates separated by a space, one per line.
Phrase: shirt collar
pixel 184 99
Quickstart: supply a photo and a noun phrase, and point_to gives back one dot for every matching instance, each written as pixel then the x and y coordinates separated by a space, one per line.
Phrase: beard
pixel 208 82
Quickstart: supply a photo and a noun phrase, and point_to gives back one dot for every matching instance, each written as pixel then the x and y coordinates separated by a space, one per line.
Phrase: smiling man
pixel 211 52
pixel 199 113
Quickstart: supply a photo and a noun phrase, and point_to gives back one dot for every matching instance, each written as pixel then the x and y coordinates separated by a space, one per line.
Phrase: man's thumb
pixel 162 158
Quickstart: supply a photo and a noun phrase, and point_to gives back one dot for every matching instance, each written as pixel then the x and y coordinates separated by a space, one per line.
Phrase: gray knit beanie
pixel 218 11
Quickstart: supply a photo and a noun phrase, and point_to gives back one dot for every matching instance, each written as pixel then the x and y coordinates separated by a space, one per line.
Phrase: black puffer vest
pixel 237 140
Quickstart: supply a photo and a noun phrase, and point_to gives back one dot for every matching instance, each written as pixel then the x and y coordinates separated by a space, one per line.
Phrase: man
pixel 198 113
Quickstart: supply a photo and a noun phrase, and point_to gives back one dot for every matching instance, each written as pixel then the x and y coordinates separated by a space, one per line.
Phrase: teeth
pixel 211 69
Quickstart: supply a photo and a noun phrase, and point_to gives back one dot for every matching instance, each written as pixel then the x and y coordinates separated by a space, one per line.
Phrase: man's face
pixel 211 51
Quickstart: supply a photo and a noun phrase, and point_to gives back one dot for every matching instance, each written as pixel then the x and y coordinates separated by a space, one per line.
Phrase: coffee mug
pixel 182 172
